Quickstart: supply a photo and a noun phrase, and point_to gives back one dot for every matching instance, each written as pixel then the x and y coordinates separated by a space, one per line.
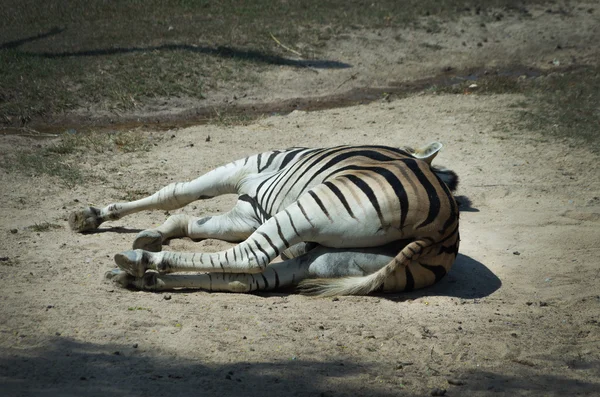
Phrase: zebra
pixel 344 220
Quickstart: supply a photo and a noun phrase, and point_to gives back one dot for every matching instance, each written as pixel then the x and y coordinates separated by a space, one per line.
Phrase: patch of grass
pixel 60 158
pixel 563 105
pixel 566 105
pixel 434 47
pixel 43 162
pixel 44 227
pixel 135 308
pixel 120 55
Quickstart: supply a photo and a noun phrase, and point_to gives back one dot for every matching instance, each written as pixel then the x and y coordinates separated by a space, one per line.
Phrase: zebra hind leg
pixel 233 226
pixel 277 276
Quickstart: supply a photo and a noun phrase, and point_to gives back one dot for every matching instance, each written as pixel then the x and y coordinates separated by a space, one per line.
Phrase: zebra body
pixel 345 220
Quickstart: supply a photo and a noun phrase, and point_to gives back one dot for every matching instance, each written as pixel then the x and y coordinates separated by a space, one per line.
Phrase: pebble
pixel 438 392
pixel 13 231
pixel 167 297
pixel 455 382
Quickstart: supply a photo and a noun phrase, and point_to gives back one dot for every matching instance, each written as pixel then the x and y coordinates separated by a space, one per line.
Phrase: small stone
pixel 438 392
pixel 455 382
pixel 83 378
pixel 335 299
pixel 117 353
pixel 167 297
pixel 543 304
pixel 516 253
pixel 135 345
pixel 14 231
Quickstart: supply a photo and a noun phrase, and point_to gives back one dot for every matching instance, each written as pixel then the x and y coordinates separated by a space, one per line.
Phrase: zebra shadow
pixel 468 279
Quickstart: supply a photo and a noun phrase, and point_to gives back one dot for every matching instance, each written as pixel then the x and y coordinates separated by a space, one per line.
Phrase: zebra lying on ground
pixel 345 220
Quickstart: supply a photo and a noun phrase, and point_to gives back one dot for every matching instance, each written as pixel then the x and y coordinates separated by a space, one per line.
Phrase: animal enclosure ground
pixel 519 314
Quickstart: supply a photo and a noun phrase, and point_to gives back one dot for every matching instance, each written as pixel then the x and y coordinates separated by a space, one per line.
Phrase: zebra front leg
pixel 276 276
pixel 234 226
pixel 222 180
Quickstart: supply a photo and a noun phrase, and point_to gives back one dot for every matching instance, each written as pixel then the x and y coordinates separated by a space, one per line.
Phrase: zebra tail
pixel 328 287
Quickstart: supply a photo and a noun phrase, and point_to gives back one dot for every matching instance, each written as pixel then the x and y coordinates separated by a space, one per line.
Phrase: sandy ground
pixel 519 314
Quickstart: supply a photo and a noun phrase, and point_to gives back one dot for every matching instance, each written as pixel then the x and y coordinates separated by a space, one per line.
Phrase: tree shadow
pixel 220 51
pixel 530 381
pixel 17 43
pixel 70 368
pixel 468 279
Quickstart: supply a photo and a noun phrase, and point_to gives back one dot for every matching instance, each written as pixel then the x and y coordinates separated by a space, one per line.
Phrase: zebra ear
pixel 427 153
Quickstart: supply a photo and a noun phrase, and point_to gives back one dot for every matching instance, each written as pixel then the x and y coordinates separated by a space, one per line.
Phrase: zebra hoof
pixel 119 277
pixel 133 262
pixel 85 220
pixel 149 240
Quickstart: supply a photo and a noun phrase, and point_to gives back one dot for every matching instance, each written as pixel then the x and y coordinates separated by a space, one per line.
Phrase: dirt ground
pixel 519 314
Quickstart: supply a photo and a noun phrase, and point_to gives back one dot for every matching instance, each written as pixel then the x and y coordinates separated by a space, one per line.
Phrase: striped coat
pixel 344 220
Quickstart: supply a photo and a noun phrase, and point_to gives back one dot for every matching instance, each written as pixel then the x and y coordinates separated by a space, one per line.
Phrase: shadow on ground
pixel 468 279
pixel 221 51
pixel 69 368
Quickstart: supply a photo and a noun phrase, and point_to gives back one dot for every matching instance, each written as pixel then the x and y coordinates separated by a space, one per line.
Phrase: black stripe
pixel 399 190
pixel 262 250
pixel 285 242
pixel 319 203
pixel 258 157
pixel 292 223
pixel 362 185
pixel 259 211
pixel 359 152
pixel 270 242
pixel 453 207
pixel 340 197
pixel 410 280
pixel 265 280
pixel 210 281
pixel 296 179
pixel 304 213
pixel 438 270
pixel 234 254
pixel 253 253
pixel 211 261
pixel 289 157
pixel 451 249
pixel 434 200
pixel 276 278
pixel 284 177
pixel 269 160
pixel 226 259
